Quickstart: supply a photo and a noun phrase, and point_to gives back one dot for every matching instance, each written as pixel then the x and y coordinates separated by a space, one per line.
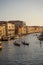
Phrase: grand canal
pixel 23 55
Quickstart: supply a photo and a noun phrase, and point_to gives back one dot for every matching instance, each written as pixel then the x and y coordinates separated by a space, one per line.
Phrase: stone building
pixel 2 28
pixel 20 27
pixel 10 29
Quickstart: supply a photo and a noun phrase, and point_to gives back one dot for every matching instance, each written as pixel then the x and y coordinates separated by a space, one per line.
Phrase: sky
pixel 30 11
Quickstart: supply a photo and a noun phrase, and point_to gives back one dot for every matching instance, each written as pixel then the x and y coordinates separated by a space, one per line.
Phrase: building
pixel 10 29
pixel 22 30
pixel 20 27
pixel 30 29
pixel 34 29
pixel 2 28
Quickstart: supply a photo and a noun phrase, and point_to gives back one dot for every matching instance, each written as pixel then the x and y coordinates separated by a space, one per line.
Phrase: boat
pixel 40 37
pixel 16 44
pixel 0 46
pixel 25 43
pixel 5 38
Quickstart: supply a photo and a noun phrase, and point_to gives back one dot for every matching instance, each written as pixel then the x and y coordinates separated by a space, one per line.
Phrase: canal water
pixel 23 55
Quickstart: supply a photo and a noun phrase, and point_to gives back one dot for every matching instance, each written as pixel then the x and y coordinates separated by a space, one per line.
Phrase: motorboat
pixel 25 43
pixel 16 44
pixel 0 45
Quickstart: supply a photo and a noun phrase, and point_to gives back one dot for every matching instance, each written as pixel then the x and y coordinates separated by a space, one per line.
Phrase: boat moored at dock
pixel 0 45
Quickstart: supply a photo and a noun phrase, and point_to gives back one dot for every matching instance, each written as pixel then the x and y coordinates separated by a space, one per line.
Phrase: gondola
pixel 40 37
pixel 25 43
pixel 16 44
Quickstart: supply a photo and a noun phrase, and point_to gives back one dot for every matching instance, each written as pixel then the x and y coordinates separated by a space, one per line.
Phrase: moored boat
pixel 0 45
pixel 5 38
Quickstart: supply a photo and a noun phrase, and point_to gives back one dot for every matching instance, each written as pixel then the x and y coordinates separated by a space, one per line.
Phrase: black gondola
pixel 16 44
pixel 24 43
pixel 40 37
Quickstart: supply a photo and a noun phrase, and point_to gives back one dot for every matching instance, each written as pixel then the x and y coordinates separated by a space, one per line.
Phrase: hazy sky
pixel 30 11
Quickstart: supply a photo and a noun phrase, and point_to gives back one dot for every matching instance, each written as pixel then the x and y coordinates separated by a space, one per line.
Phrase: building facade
pixel 2 29
pixel 20 27
pixel 10 29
